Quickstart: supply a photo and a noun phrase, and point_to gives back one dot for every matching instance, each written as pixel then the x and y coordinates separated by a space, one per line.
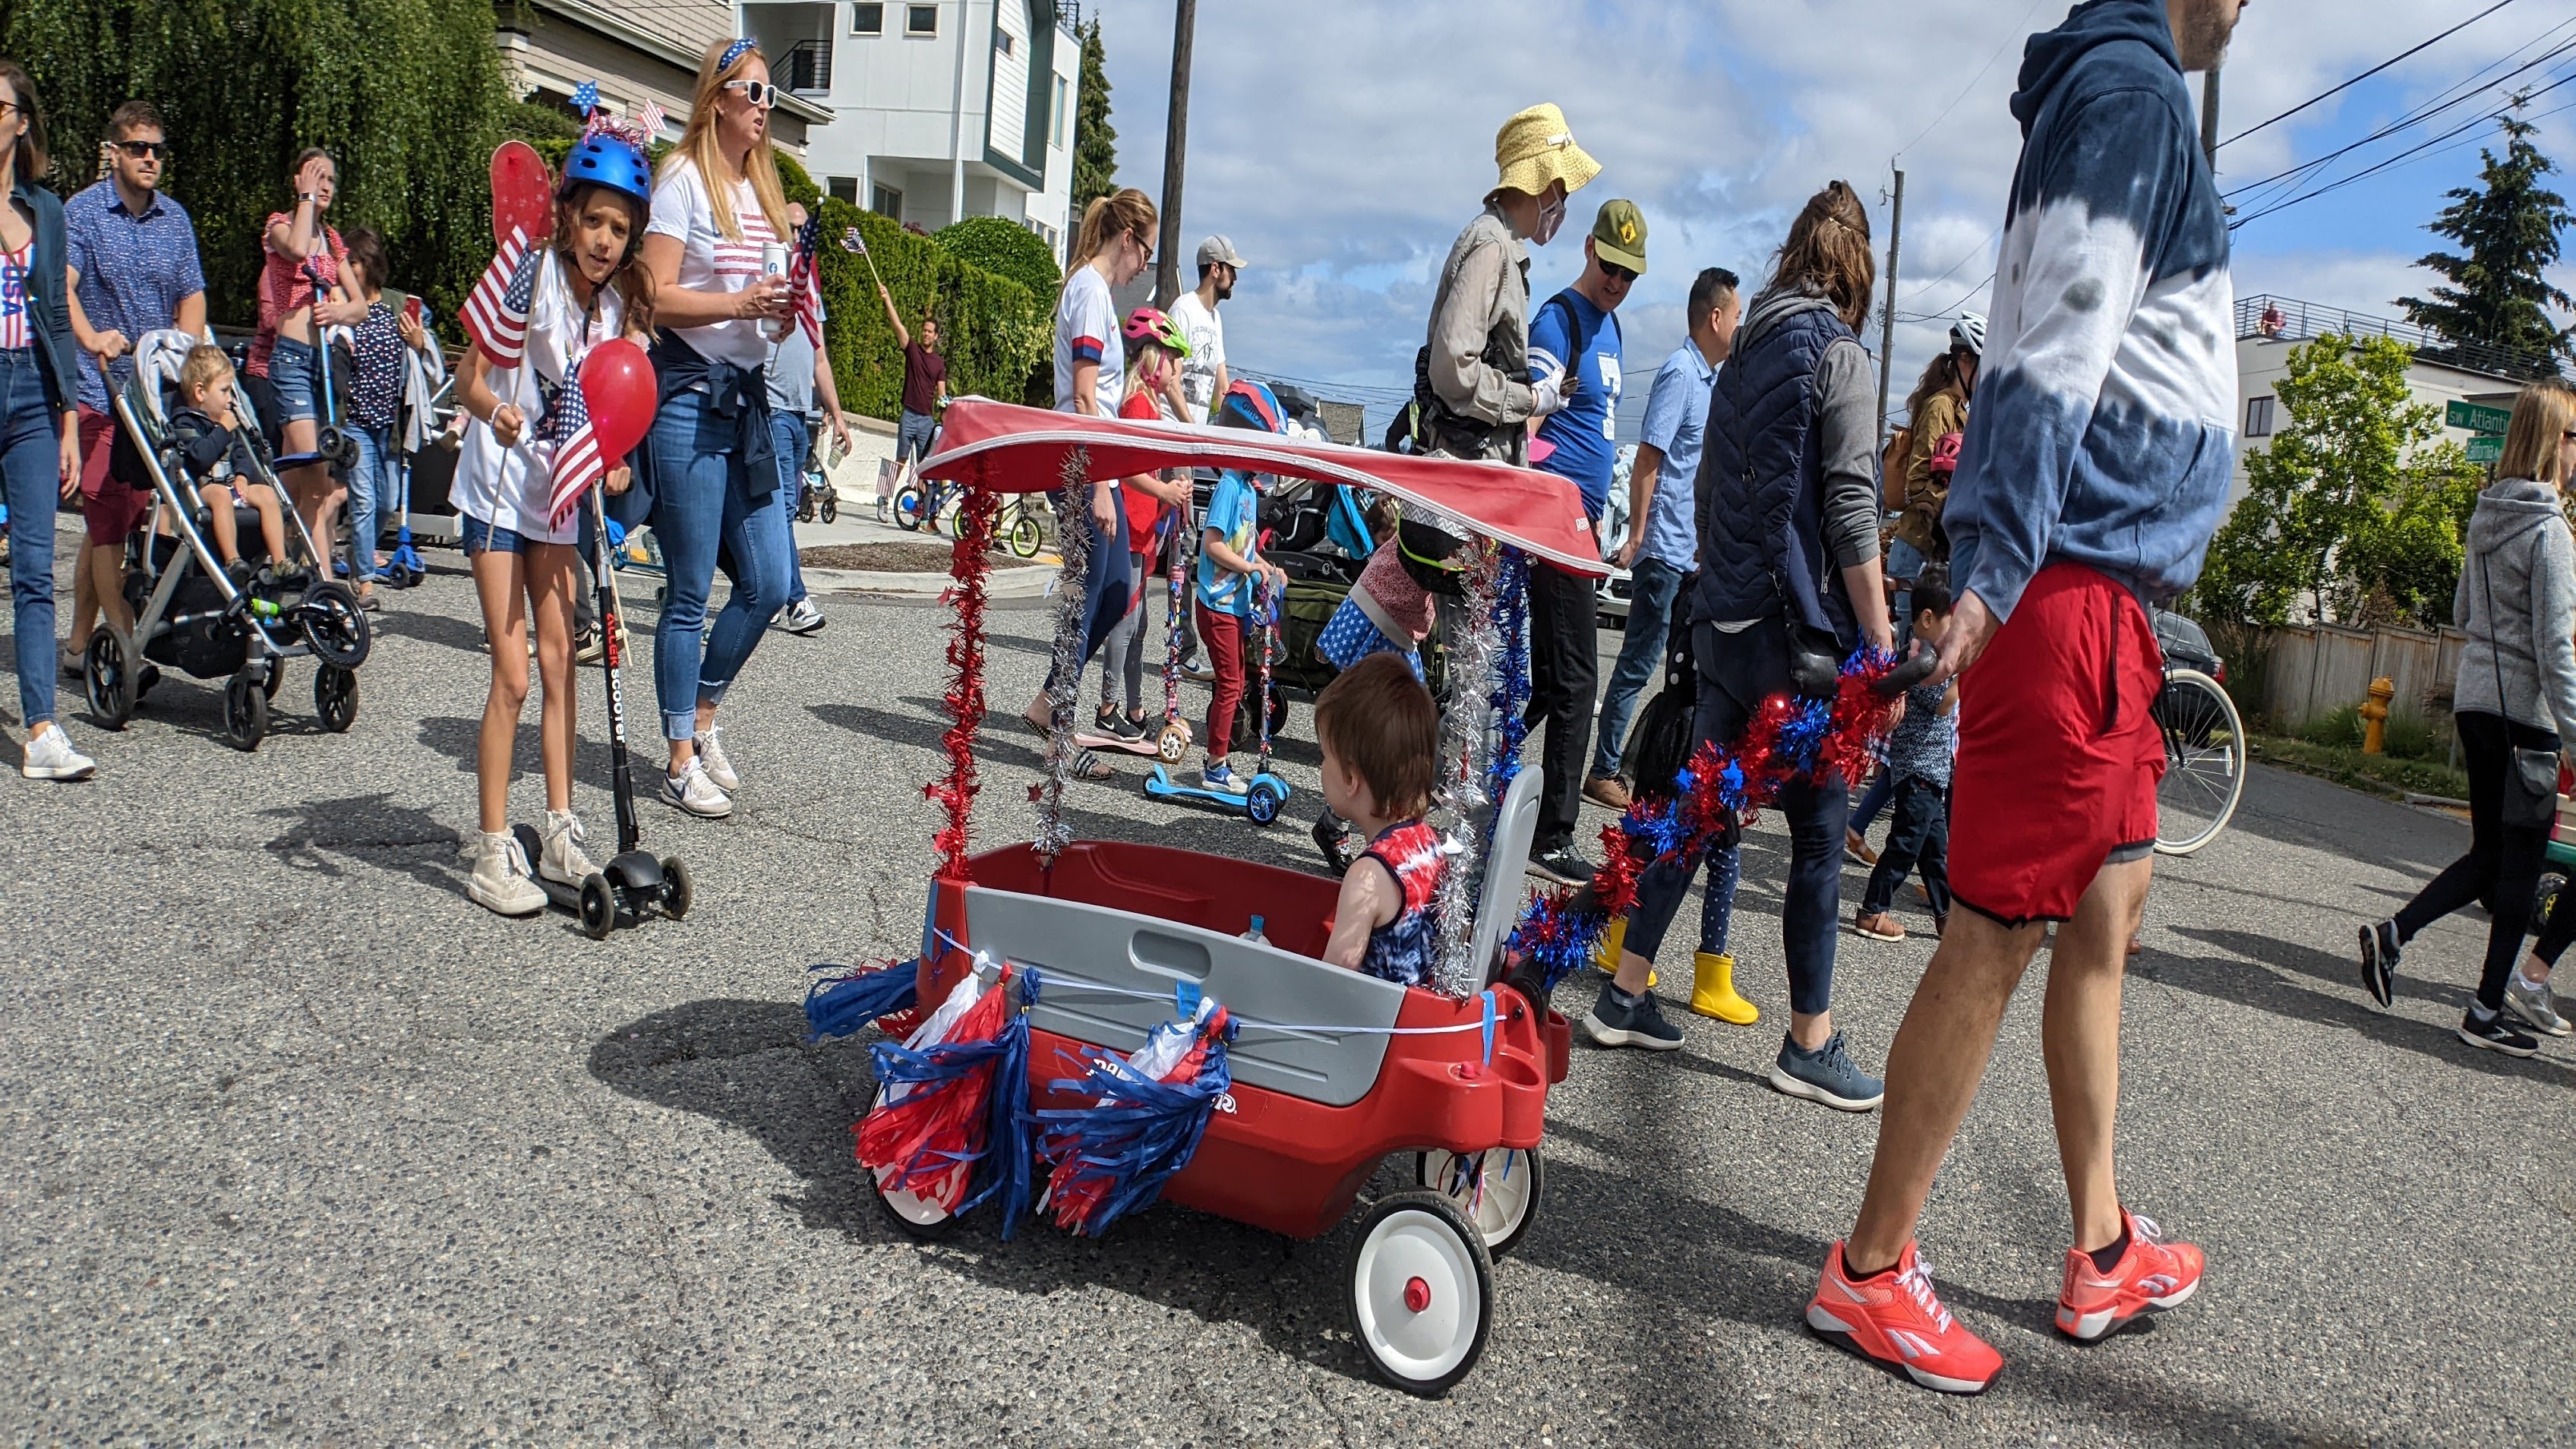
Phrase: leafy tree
pixel 1006 249
pixel 2348 512
pixel 406 94
pixel 2509 226
pixel 1095 141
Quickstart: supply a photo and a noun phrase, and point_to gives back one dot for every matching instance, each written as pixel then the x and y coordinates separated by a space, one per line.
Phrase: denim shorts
pixel 292 370
pixel 481 537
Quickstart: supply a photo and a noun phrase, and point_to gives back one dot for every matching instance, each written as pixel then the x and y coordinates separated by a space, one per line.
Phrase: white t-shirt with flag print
pixel 710 261
pixel 513 487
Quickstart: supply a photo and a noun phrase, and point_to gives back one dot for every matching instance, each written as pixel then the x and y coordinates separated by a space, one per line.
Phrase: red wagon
pixel 1332 1070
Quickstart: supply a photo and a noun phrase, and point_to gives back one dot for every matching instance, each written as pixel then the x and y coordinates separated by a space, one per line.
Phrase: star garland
pixel 968 564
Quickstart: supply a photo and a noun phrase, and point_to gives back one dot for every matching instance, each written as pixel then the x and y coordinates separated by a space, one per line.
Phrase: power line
pixel 2404 155
pixel 1981 75
pixel 1954 269
pixel 2365 75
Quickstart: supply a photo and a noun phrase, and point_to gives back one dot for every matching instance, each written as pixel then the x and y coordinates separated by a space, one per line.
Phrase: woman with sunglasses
pixel 1114 247
pixel 716 207
pixel 39 439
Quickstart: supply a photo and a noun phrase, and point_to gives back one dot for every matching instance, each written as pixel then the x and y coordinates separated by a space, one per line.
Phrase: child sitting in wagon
pixel 1381 738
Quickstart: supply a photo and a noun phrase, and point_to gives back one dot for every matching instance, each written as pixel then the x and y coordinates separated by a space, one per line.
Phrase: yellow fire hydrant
pixel 2374 735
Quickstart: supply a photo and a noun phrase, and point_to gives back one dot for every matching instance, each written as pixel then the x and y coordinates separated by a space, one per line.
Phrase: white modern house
pixel 940 110
pixel 637 51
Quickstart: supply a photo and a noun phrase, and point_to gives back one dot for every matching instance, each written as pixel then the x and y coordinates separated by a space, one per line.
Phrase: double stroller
pixel 189 614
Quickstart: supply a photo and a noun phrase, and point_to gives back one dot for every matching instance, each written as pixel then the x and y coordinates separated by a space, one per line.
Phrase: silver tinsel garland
pixel 1073 540
pixel 1466 746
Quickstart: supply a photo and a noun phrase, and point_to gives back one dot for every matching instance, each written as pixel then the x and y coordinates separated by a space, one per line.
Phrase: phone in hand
pixel 411 310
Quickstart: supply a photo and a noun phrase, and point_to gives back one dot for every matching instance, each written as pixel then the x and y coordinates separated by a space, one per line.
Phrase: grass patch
pixel 2347 765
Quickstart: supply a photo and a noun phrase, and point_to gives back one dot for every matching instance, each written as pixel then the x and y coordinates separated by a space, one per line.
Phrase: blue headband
pixel 733 53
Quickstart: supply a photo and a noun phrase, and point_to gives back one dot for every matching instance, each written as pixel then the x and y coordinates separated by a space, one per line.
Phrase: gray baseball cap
pixel 1217 250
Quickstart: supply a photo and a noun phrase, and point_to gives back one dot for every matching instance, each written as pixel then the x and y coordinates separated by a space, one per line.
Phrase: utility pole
pixel 1176 132
pixel 1887 319
pixel 2209 119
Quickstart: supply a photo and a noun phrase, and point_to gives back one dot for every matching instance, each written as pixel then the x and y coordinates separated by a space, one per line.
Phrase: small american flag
pixel 804 279
pixel 496 313
pixel 650 121
pixel 577 463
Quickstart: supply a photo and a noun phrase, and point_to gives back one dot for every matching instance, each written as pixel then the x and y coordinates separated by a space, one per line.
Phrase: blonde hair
pixel 2543 413
pixel 1827 253
pixel 202 371
pixel 1105 220
pixel 697 146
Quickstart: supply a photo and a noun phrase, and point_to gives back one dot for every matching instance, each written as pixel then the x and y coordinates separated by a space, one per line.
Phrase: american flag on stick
pixel 577 463
pixel 496 313
pixel 805 282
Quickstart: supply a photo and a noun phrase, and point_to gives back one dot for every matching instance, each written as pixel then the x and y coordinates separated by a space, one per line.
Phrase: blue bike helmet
pixel 604 158
pixel 1249 404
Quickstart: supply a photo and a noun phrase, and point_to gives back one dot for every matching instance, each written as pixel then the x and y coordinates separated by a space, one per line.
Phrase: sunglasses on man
pixel 1617 273
pixel 139 150
pixel 759 93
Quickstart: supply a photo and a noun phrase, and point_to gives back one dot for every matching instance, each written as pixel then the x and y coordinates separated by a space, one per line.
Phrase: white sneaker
pixel 711 754
pixel 802 618
pixel 562 858
pixel 692 791
pixel 501 881
pixel 50 756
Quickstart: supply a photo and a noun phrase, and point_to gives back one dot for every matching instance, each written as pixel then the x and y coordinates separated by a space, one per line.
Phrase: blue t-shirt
pixel 1676 415
pixel 1233 511
pixel 1584 431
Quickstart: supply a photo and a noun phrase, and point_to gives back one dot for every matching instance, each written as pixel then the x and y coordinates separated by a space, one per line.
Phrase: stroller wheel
pixel 598 908
pixel 678 890
pixel 245 712
pixel 274 680
pixel 335 697
pixel 334 624
pixel 831 508
pixel 108 676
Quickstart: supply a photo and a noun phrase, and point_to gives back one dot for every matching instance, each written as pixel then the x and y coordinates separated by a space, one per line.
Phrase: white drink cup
pixel 773 263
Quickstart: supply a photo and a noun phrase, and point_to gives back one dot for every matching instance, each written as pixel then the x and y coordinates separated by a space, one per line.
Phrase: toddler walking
pixel 1918 760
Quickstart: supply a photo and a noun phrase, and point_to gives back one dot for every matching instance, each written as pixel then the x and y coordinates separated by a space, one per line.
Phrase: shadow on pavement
pixel 369 830
pixel 460 740
pixel 465 635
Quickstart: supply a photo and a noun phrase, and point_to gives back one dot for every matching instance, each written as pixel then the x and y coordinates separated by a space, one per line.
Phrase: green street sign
pixel 2476 419
pixel 2486 449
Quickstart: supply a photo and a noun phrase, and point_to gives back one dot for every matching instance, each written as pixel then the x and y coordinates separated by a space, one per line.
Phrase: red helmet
pixel 1146 324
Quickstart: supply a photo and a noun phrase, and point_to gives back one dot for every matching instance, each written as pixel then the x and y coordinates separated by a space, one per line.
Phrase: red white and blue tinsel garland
pixel 1788 739
pixel 1512 680
pixel 1151 1107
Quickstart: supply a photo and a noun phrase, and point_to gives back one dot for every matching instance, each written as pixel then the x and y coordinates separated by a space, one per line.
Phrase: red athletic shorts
pixel 2058 758
pixel 109 506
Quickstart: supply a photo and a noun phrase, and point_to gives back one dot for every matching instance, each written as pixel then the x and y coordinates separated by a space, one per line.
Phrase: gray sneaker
pixel 1825 1075
pixel 710 748
pixel 2536 1005
pixel 1617 1020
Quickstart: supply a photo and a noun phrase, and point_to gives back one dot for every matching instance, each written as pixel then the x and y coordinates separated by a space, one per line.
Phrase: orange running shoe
pixel 2151 1274
pixel 1896 1320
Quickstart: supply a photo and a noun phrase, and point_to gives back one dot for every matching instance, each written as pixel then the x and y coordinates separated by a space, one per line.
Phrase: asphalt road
pixel 305 1147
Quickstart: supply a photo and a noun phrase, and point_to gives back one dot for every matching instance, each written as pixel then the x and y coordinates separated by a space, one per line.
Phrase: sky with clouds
pixel 1342 146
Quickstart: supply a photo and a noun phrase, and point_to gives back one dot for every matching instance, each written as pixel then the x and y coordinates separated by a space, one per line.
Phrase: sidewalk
pixel 855 480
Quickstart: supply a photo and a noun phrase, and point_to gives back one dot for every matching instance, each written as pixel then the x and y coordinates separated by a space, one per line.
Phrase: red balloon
pixel 617 386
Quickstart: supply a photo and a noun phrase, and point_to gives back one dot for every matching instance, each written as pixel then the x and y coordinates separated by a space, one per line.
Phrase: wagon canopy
pixel 1003 448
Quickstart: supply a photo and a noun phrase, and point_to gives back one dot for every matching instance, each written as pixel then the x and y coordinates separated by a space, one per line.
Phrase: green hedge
pixel 1006 249
pixel 993 333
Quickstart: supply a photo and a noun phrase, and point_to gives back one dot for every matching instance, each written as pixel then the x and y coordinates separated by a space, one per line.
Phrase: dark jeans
pixel 1641 656
pixel 2503 863
pixel 1918 838
pixel 1565 665
pixel 1872 801
pixel 1736 673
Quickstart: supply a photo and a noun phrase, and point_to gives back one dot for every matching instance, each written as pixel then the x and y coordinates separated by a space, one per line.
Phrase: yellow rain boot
pixel 1605 957
pixel 1713 991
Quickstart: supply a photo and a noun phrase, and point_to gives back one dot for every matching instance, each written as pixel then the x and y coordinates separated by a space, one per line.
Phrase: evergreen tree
pixel 1095 141
pixel 2509 225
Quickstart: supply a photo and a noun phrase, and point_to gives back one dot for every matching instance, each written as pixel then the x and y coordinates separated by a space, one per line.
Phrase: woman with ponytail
pixel 1114 247
pixel 716 207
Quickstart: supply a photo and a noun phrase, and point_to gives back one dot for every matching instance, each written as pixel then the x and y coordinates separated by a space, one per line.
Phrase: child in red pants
pixel 1229 557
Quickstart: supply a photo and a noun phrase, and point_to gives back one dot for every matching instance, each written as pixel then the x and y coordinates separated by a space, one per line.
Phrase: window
pixel 1055 122
pixel 1002 43
pixel 887 202
pixel 867 20
pixel 921 20
pixel 843 188
pixel 2258 417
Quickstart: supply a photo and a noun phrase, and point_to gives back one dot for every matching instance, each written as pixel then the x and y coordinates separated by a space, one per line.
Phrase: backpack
pixel 1891 471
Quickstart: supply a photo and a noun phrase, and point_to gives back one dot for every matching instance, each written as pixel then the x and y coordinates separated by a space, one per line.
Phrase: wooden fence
pixel 2314 670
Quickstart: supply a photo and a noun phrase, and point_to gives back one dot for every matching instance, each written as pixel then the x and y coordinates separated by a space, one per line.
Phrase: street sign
pixel 2488 449
pixel 2475 418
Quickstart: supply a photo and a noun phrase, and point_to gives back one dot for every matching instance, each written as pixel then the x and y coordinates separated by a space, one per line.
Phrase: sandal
pixel 1088 766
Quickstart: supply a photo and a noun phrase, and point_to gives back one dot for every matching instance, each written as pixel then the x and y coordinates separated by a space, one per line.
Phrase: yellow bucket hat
pixel 1537 147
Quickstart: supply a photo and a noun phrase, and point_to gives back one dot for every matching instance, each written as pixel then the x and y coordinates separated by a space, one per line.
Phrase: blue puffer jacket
pixel 1761 481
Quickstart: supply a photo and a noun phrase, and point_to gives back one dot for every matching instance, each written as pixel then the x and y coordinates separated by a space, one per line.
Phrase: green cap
pixel 1619 235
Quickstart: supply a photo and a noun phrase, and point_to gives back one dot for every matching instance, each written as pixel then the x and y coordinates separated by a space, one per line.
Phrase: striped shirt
pixel 285 288
pixel 16 298
pixel 710 261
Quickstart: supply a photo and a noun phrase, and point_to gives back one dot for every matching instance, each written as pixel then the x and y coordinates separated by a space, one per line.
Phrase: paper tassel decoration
pixel 949 1124
pixel 1113 1157
pixel 838 1006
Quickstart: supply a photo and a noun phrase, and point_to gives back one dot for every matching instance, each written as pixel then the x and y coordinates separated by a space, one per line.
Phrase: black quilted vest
pixel 1760 493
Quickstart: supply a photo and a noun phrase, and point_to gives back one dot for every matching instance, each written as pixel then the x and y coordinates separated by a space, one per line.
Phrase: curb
pixel 1016 583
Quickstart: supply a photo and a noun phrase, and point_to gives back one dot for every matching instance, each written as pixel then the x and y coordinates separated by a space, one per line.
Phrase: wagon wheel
pixel 913 1216
pixel 1422 1292
pixel 1498 1189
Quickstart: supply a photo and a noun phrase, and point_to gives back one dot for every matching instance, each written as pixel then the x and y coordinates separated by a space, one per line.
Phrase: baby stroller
pixel 188 614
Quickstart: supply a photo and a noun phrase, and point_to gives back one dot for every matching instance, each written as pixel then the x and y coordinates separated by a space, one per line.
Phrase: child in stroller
pixel 206 430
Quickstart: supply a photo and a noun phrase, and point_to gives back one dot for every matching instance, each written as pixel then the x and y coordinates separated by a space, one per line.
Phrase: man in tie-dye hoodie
pixel 2094 471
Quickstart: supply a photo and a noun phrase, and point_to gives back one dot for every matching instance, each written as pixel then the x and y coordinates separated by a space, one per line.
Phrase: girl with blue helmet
pixel 586 284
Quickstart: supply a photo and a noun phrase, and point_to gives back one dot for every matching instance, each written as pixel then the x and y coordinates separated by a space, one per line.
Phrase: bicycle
pixel 918 504
pixel 2204 740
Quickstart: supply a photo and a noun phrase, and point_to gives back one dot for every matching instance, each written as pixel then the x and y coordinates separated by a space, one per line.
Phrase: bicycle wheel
pixel 910 508
pixel 2204 761
pixel 1026 535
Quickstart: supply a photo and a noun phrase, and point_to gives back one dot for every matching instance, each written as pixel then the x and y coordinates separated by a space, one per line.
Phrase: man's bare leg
pixel 1933 1069
pixel 105 575
pixel 2080 1038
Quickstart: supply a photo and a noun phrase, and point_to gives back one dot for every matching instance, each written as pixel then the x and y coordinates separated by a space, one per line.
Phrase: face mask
pixel 1551 215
